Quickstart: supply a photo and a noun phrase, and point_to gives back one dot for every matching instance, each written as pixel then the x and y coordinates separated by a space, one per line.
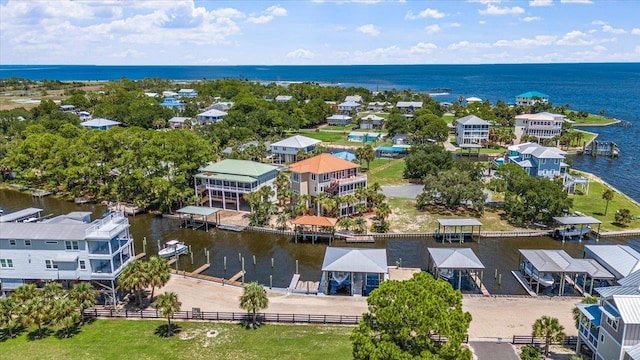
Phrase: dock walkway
pixel 525 284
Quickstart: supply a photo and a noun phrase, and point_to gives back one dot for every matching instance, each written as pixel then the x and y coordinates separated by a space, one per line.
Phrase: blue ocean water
pixel 614 87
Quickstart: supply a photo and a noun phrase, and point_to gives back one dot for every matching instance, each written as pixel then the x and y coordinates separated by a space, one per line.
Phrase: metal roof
pixel 628 307
pixel 530 94
pixel 591 311
pixel 403 104
pixel 553 261
pixel 576 220
pixel 198 210
pixel 238 167
pixel 470 146
pixel 213 113
pixel 634 352
pixel 472 120
pixel 455 258
pixel 99 122
pixel 339 117
pixel 594 269
pixel 459 222
pixel 17 215
pixel 617 290
pixel 621 260
pixel 297 141
pixel 227 177
pixel 43 231
pixel 355 260
pixel 632 279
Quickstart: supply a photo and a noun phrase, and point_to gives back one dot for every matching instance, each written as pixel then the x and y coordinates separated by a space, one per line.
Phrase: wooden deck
pixel 237 276
pixel 525 284
pixel 202 269
pixel 360 239
pixel 172 261
pixel 140 256
pixel 207 278
pixel 480 285
pixel 231 227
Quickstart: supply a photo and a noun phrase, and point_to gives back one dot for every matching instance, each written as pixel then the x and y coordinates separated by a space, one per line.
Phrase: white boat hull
pixel 544 280
pixel 173 249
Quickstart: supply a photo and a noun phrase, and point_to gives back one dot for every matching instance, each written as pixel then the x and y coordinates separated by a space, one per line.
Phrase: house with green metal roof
pixel 223 184
pixel 531 97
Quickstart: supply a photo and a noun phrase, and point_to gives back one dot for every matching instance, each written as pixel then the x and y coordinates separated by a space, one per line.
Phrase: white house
pixel 471 130
pixel 178 122
pixel 378 105
pixel 531 98
pixel 285 151
pixel 371 122
pixel 67 248
pixel 283 98
pixel 99 124
pixel 211 116
pixel 339 120
pixel 347 107
pixel 187 93
pixel 542 125
pixel 353 98
pixel 409 107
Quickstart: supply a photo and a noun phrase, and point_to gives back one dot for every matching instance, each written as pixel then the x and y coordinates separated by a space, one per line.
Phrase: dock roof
pixel 455 258
pixel 553 261
pixel 594 269
pixel 198 210
pixel 355 260
pixel 17 215
pixel 459 222
pixel 315 221
pixel 576 220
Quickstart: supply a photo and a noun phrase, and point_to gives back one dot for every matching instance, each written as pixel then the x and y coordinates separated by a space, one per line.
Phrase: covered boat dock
pixel 452 264
pixel 353 271
pixel 195 217
pixel 459 226
pixel 314 227
pixel 545 267
pixel 575 227
pixel 595 273
pixel 22 215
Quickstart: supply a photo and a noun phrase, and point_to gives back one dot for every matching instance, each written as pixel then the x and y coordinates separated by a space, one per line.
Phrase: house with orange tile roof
pixel 329 175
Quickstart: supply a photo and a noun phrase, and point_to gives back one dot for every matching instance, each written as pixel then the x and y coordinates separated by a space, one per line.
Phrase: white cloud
pixel 576 38
pixel 482 22
pixel 496 10
pixel 540 2
pixel 531 18
pixel 485 1
pixel 300 54
pixel 610 29
pixel 576 1
pixel 635 31
pixel 369 29
pixel 598 22
pixel 422 48
pixel 538 40
pixel 454 24
pixel 599 48
pixel 426 13
pixel 466 45
pixel 432 29
pixel 267 15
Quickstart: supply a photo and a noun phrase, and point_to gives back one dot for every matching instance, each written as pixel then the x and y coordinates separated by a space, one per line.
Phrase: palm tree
pixel 135 278
pixel 159 273
pixel 24 293
pixel 319 199
pixel 368 154
pixel 281 220
pixel 607 196
pixel 9 314
pixel 550 329
pixel 36 312
pixel 361 224
pixel 345 223
pixel 350 200
pixel 84 296
pixel 254 299
pixel 65 315
pixel 168 305
pixel 51 291
pixel 383 210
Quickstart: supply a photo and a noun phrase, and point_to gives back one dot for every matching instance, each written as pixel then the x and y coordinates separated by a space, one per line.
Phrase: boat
pixel 572 232
pixel 173 248
pixel 544 280
pixel 446 274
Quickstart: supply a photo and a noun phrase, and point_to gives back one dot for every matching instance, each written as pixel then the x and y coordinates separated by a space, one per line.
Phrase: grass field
pixel 131 339
pixel 593 205
pixel 593 119
pixel 448 118
pixel 387 172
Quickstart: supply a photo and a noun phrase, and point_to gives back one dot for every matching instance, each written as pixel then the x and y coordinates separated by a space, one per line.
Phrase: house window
pixel 313 176
pixel 50 264
pixel 27 242
pixel 601 338
pixel 51 242
pixel 6 263
pixel 613 323
pixel 83 265
pixel 71 245
pixel 12 242
pixel 295 177
pixel 543 161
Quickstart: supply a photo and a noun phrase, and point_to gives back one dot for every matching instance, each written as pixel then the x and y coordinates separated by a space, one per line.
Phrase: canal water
pixel 501 254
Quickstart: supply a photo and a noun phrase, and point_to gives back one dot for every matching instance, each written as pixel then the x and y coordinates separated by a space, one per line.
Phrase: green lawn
pixel 482 151
pixel 346 128
pixel 593 205
pixel 448 118
pixel 592 119
pixel 388 172
pixel 586 138
pixel 131 339
pixel 327 137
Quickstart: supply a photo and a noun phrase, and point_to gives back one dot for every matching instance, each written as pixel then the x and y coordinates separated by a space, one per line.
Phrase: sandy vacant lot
pixel 493 317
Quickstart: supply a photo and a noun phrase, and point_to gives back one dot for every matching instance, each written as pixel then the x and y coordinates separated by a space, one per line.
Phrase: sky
pixel 318 32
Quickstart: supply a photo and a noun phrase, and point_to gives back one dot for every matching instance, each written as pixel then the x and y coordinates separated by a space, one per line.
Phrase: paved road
pixel 492 350
pixel 403 191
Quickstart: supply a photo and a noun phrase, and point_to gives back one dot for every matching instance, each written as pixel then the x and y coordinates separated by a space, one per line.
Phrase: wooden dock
pixel 570 281
pixel 231 227
pixel 41 193
pixel 360 239
pixel 207 278
pixel 525 284
pixel 140 256
pixel 201 269
pixel 172 261
pixel 237 276
pixel 480 285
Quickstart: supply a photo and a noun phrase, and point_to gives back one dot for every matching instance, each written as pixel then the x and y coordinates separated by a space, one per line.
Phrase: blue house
pixel 172 103
pixel 538 160
pixel 187 93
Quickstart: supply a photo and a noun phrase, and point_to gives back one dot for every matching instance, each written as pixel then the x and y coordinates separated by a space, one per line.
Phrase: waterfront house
pixel 378 106
pixel 330 175
pixel 187 93
pixel 211 116
pixel 225 182
pixel 99 124
pixel 409 107
pixel 283 98
pixel 169 93
pixel 610 329
pixel 173 103
pixel 286 151
pixel 620 260
pixel 473 99
pixel 371 122
pixel 244 146
pixel 530 98
pixel 359 136
pixel 66 248
pixel 538 160
pixel 179 122
pixel 353 271
pixel 471 130
pixel 543 125
pixel 222 106
pixel 353 98
pixel 339 120
pixel 68 108
pixel 347 107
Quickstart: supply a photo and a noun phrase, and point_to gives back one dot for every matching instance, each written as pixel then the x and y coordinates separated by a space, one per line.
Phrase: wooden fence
pixel 530 340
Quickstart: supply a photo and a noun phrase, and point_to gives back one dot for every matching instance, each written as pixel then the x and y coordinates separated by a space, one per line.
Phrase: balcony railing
pixel 108 226
pixel 352 179
pixel 591 336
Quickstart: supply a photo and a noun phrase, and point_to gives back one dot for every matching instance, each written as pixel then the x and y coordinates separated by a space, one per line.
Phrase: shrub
pixel 530 352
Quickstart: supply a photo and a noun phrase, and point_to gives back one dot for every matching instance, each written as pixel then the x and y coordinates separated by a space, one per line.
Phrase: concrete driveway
pixel 492 350
pixel 410 191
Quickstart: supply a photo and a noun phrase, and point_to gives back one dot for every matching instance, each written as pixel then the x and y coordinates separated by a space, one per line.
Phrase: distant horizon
pixel 344 65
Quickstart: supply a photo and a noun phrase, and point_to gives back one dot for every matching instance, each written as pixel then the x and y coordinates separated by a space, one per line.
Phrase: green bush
pixel 530 352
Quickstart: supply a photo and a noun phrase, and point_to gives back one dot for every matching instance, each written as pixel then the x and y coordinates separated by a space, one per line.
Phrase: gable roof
pixel 213 112
pixel 372 117
pixel 622 259
pixel 530 94
pixel 99 122
pixel 349 104
pixel 541 116
pixel 355 260
pixel 353 98
pixel 322 164
pixel 539 151
pixel 297 141
pixel 455 258
pixel 628 307
pixel 403 104
pixel 554 261
pixel 239 167
pixel 472 120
